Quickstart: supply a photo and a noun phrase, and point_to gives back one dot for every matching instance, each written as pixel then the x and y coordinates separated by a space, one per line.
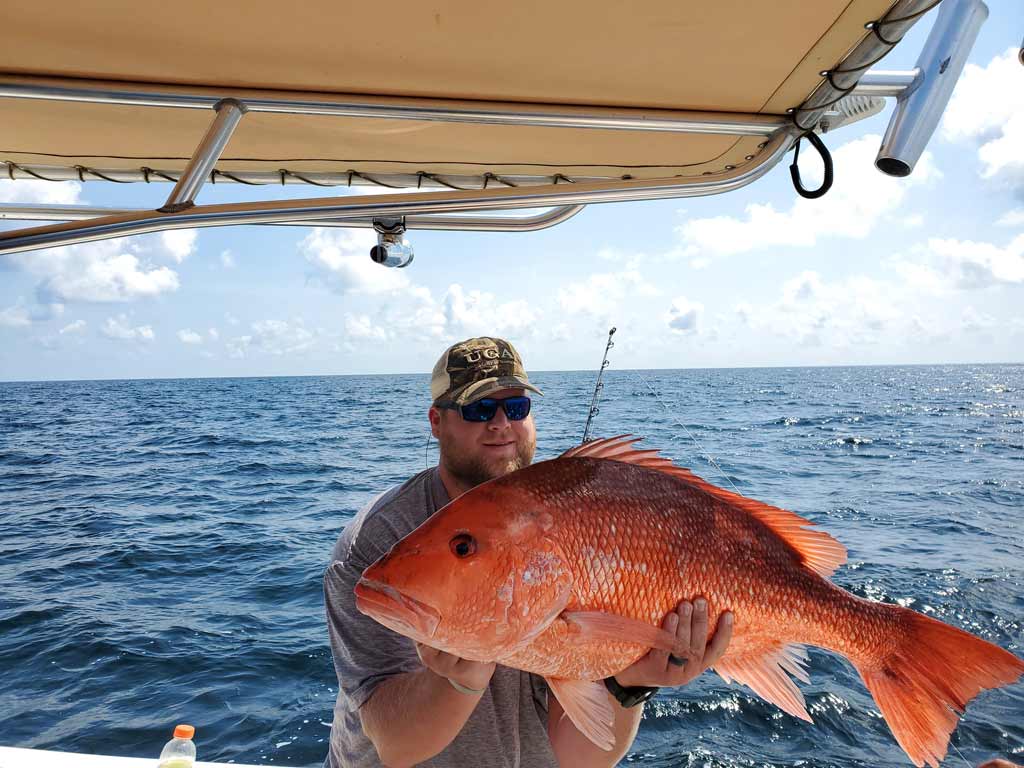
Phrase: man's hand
pixel 470 674
pixel 689 623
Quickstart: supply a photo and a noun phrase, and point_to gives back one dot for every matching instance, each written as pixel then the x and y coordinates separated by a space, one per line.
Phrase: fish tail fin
pixel 924 683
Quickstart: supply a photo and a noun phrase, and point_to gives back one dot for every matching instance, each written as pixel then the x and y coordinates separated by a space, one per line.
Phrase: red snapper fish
pixel 565 568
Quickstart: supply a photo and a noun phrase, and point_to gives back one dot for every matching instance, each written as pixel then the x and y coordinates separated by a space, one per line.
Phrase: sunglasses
pixel 516 408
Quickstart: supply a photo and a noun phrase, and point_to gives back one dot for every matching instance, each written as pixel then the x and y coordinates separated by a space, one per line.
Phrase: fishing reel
pixel 392 249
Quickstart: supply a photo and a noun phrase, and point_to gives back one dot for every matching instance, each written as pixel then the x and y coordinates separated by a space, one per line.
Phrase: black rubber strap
pixel 628 697
pixel 826 159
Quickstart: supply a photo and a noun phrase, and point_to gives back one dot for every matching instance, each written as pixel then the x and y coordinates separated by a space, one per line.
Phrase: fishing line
pixel 959 752
pixel 690 434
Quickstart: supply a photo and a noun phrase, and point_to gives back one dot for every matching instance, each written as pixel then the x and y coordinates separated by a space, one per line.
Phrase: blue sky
pixel 922 270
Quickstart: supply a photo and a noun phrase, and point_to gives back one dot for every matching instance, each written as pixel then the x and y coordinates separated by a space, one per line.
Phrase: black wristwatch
pixel 628 697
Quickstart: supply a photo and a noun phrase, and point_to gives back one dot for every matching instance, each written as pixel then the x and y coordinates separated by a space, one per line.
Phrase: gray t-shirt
pixel 507 729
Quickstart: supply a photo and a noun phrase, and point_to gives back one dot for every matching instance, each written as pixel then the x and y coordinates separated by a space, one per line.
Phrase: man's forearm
pixel 574 750
pixel 412 717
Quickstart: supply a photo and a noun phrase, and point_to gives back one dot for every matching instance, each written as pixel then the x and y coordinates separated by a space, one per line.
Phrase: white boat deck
pixel 17 757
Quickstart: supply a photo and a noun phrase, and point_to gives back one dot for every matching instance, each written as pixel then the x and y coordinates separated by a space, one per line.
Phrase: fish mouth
pixel 406 615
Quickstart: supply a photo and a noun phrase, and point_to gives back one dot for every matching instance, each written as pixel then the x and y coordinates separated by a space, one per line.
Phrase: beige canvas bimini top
pixel 718 55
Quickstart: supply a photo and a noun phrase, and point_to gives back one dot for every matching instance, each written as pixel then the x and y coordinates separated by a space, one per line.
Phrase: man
pixel 402 703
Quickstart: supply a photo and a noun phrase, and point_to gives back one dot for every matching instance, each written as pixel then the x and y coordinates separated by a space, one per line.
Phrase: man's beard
pixel 471 469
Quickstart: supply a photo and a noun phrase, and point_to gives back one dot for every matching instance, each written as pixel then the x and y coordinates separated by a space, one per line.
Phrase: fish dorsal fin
pixel 818 551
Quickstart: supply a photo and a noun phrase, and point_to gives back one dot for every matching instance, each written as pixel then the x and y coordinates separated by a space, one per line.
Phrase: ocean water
pixel 163 543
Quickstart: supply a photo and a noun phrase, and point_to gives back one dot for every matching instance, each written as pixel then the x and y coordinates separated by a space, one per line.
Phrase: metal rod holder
pixel 919 108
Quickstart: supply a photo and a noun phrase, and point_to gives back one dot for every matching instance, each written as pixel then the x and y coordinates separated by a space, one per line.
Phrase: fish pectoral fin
pixel 765 674
pixel 588 706
pixel 597 625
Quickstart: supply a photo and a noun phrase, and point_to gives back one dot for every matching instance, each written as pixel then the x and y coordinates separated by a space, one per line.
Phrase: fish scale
pixel 684 558
pixel 574 562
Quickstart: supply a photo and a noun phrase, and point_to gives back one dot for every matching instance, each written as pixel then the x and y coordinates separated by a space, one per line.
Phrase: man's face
pixel 477 451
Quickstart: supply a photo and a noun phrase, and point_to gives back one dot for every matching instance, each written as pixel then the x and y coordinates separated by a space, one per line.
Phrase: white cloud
pixel 15 317
pixel 108 276
pixel 684 316
pixel 987 108
pixel 108 270
pixel 805 287
pixel 231 319
pixel 274 337
pixel 238 346
pixel 120 328
pixel 560 333
pixel 854 311
pixel 76 327
pixel 917 272
pixel 342 259
pixel 188 336
pixel 1014 218
pixel 416 316
pixel 472 313
pixel 942 267
pixel 362 327
pixel 179 243
pixel 111 270
pixel 973 321
pixel 1006 153
pixel 860 315
pixel 21 314
pixel 48 192
pixel 860 199
pixel 978 265
pixel 213 334
pixel 603 293
pixel 227 259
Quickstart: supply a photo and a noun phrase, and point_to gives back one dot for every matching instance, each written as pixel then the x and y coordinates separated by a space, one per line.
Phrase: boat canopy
pixel 614 100
pixel 729 56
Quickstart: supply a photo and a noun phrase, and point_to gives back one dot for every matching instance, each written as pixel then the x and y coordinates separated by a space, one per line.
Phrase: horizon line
pixel 534 371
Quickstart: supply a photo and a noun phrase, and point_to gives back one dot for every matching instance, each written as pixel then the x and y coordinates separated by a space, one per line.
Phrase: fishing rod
pixel 594 410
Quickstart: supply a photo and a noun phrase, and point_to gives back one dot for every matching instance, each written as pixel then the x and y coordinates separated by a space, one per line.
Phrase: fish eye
pixel 462 545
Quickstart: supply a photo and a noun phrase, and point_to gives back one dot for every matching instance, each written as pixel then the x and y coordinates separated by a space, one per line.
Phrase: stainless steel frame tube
pixel 229 112
pixel 886 83
pixel 371 206
pixel 408 108
pixel 22 212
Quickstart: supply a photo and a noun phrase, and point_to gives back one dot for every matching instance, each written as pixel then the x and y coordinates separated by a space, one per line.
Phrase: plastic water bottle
pixel 179 752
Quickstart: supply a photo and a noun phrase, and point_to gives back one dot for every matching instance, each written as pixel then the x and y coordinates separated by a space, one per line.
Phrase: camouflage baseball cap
pixel 473 368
